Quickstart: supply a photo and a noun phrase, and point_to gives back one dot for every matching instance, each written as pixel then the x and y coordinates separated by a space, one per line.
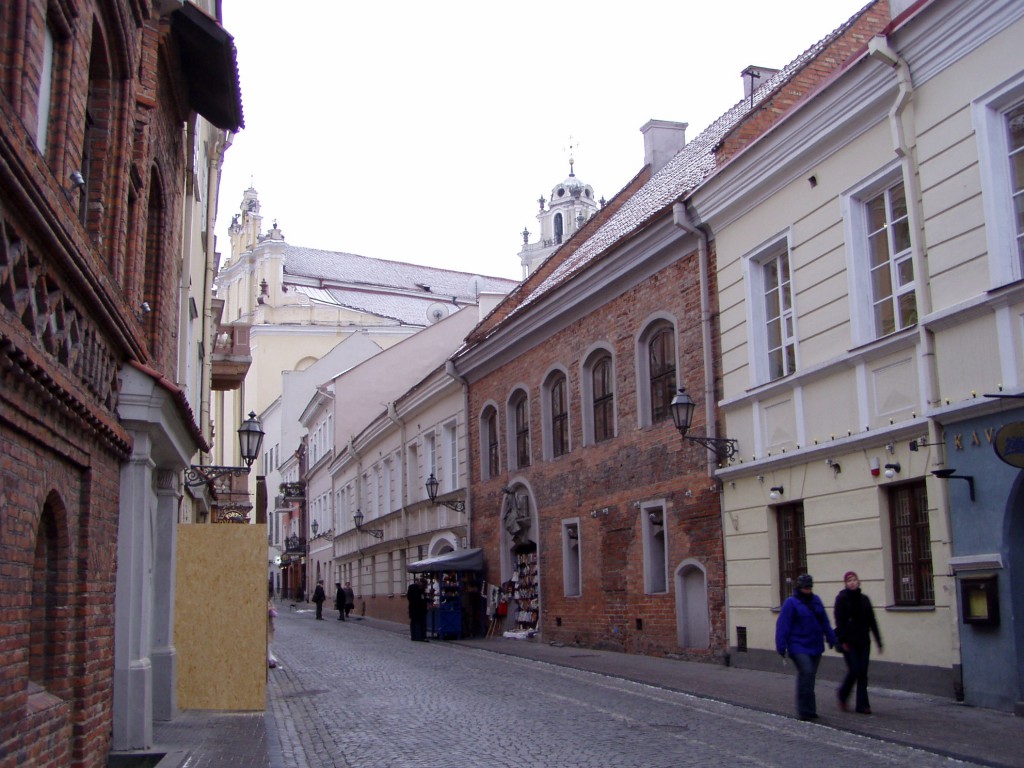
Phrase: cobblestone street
pixel 351 694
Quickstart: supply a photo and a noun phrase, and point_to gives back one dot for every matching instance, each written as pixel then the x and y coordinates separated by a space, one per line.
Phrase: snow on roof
pixel 352 269
pixel 681 175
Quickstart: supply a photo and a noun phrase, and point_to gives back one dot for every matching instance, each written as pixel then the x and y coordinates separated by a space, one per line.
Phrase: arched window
pixel 154 262
pixel 559 228
pixel 604 398
pixel 556 415
pixel 48 623
pixel 96 136
pixel 519 429
pixel 658 358
pixel 489 442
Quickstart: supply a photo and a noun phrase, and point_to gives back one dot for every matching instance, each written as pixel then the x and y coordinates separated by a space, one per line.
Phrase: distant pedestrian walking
pixel 417 611
pixel 339 600
pixel 318 597
pixel 800 630
pixel 350 598
pixel 271 615
pixel 855 623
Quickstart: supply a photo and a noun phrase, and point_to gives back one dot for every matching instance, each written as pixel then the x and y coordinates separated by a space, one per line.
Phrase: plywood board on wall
pixel 220 617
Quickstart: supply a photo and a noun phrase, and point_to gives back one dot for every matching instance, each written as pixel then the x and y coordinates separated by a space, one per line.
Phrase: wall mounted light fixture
pixel 950 474
pixel 682 406
pixel 358 518
pixel 250 438
pixel 891 470
pixel 776 492
pixel 432 485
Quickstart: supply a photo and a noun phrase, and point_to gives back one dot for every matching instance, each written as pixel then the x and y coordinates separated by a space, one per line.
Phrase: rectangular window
pixel 572 577
pixel 889 256
pixel 655 549
pixel 416 489
pixel 792 547
pixel 911 545
pixel 1015 141
pixel 429 454
pixel 451 456
pixel 45 91
pixel 778 315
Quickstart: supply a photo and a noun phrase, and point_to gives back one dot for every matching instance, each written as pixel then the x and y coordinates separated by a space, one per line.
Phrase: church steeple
pixel 572 204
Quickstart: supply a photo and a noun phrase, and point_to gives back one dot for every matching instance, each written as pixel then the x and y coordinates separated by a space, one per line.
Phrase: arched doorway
pixel 520 561
pixel 693 623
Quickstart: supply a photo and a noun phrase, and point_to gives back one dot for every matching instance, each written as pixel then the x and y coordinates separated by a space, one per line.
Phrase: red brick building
pixel 94 154
pixel 601 524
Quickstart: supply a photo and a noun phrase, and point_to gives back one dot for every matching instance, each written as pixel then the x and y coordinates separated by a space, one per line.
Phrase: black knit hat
pixel 804 581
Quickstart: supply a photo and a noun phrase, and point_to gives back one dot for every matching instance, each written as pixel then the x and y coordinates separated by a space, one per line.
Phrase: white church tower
pixel 572 203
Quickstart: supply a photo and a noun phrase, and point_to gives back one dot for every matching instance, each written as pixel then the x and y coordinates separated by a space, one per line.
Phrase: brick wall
pixel 69 320
pixel 639 464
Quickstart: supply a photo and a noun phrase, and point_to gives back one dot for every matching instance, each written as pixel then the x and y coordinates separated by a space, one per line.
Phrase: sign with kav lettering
pixel 1009 444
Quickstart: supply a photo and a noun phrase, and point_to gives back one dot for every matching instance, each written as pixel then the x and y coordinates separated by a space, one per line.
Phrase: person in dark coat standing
pixel 318 597
pixel 801 631
pixel 417 611
pixel 855 623
pixel 339 600
pixel 350 598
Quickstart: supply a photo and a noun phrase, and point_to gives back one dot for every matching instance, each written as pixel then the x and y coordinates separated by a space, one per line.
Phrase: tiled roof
pixel 681 175
pixel 402 308
pixel 353 270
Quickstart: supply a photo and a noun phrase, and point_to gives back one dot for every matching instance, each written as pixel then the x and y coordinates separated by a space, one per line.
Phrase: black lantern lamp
pixel 357 518
pixel 432 486
pixel 682 406
pixel 250 438
pixel 315 526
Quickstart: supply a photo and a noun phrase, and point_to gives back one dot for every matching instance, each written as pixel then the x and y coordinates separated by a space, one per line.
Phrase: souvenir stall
pixel 454 593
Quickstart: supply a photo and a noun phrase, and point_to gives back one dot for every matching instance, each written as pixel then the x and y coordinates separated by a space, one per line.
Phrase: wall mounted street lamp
pixel 250 438
pixel 682 406
pixel 315 526
pixel 357 518
pixel 458 505
pixel 950 474
pixel 776 492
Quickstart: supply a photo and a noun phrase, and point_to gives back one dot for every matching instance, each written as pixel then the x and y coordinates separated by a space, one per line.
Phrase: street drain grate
pixel 582 655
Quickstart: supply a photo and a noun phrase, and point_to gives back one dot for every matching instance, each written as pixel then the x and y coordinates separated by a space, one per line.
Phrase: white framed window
pixel 772 318
pixel 879 257
pixel 655 540
pixel 451 456
pixel 429 454
pixel 412 467
pixel 999 127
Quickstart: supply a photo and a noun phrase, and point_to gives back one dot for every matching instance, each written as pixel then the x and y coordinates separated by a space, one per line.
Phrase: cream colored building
pixel 417 427
pixel 869 277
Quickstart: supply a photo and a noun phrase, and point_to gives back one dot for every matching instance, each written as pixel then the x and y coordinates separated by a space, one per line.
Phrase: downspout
pixel 209 342
pixel 880 50
pixel 400 423
pixel 451 370
pixel 681 219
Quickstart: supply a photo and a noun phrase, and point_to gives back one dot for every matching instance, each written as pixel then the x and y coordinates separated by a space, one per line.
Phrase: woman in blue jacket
pixel 801 631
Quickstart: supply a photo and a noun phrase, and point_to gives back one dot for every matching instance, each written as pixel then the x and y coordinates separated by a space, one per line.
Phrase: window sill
pixel 910 608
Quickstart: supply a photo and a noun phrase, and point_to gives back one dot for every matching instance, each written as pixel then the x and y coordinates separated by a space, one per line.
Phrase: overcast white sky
pixel 425 132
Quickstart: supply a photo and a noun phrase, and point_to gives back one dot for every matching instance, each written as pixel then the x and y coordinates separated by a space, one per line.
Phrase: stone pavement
pixel 937 725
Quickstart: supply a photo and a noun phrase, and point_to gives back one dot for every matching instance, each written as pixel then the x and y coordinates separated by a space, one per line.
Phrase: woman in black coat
pixel 855 623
